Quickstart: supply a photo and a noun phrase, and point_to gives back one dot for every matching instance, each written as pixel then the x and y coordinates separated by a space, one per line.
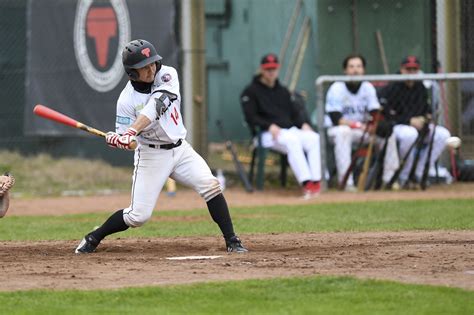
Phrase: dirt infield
pixel 438 258
pixel 428 257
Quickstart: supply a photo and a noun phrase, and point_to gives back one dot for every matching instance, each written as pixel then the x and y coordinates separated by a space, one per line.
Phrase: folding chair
pixel 259 155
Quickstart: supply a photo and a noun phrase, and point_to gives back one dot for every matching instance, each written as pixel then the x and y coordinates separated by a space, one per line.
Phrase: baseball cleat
pixel 311 190
pixel 87 245
pixel 235 245
pixel 351 188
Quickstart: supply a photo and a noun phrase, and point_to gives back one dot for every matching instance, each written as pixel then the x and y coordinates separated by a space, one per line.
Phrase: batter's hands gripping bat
pixel 238 166
pixel 56 116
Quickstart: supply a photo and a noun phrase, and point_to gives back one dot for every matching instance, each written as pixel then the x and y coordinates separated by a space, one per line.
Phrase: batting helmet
pixel 138 54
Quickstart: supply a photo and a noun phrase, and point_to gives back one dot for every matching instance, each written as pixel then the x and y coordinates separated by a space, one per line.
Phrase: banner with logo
pixel 74 62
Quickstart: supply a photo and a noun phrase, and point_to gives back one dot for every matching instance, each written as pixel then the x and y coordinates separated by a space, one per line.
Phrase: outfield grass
pixel 313 295
pixel 362 216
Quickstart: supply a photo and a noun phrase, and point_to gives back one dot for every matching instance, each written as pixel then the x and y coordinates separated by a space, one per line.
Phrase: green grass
pixel 44 175
pixel 313 295
pixel 363 216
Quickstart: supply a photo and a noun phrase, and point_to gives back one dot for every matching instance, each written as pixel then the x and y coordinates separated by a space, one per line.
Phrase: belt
pixel 167 146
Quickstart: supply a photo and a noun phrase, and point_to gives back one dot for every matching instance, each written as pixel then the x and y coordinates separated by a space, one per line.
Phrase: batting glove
pixel 127 141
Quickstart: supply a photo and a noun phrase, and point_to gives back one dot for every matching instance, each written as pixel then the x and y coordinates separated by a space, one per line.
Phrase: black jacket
pixel 264 106
pixel 401 103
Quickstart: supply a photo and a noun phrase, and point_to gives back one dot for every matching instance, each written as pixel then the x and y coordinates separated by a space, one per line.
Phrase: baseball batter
pixel 148 112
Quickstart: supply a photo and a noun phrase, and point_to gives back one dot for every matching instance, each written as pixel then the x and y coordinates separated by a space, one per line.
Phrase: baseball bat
pixel 289 31
pixel 383 57
pixel 343 183
pixel 426 169
pixel 56 116
pixel 447 123
pixel 396 175
pixel 365 169
pixel 238 166
pixel 425 131
pixel 374 177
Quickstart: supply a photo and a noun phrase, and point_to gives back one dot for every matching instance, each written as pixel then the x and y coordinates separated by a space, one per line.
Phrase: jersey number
pixel 175 116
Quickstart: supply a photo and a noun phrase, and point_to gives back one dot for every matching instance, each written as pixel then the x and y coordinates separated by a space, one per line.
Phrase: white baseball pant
pixel 406 135
pixel 343 137
pixel 302 148
pixel 152 169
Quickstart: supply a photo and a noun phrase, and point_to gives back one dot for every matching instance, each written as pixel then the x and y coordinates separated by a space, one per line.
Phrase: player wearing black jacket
pixel 269 107
pixel 406 102
pixel 406 105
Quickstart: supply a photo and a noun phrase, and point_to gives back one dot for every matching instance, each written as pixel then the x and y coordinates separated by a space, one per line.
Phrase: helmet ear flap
pixel 132 74
pixel 158 66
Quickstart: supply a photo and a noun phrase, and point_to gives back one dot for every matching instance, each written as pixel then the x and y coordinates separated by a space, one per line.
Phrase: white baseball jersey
pixel 352 106
pixel 153 165
pixel 166 127
pixel 355 107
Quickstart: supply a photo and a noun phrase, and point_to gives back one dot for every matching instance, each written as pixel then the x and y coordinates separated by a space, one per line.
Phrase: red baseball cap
pixel 270 61
pixel 411 62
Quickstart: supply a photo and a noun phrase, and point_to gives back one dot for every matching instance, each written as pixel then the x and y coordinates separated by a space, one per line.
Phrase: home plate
pixel 192 257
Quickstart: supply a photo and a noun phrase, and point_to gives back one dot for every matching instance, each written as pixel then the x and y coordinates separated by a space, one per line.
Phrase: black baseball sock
pixel 220 214
pixel 114 224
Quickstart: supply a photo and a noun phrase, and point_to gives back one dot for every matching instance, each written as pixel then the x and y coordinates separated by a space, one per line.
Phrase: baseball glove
pixel 6 183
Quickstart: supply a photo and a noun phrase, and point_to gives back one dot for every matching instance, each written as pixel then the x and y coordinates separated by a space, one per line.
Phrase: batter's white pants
pixel 152 169
pixel 407 135
pixel 296 143
pixel 343 137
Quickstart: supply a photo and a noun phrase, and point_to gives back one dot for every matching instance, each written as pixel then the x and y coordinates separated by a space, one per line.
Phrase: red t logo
pixel 101 25
pixel 146 52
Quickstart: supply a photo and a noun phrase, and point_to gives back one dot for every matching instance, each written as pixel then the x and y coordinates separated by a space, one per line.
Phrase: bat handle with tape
pixel 91 130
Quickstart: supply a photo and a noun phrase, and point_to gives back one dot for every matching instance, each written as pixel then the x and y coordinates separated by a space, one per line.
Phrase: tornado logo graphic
pixel 100 33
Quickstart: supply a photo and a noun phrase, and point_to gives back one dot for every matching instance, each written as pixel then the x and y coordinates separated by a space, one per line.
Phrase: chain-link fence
pixel 438 33
pixel 67 55
pixel 12 68
pixel 411 101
